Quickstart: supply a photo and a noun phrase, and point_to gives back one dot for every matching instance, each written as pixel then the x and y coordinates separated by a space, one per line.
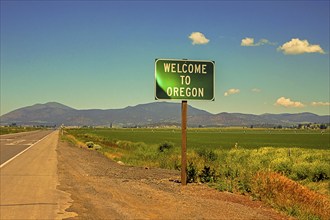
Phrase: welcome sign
pixel 184 79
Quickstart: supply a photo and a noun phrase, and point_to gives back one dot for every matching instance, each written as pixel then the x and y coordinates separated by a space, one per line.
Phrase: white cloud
pixel 297 46
pixel 286 102
pixel 256 90
pixel 249 42
pixel 231 92
pixel 198 38
pixel 320 103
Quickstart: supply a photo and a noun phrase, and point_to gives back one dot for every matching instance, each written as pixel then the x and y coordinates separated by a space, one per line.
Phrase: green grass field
pixel 216 138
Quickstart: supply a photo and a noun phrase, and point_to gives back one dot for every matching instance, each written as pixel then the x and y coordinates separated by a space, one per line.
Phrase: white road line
pixel 16 142
pixel 8 161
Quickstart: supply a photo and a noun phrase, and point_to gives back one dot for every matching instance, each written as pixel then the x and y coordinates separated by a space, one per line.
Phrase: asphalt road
pixel 29 181
pixel 13 144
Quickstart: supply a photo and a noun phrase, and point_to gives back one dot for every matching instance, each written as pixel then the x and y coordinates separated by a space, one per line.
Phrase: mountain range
pixel 151 114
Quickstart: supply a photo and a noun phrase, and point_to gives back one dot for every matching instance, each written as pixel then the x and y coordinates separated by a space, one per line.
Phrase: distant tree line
pixel 15 125
pixel 312 126
pixel 298 126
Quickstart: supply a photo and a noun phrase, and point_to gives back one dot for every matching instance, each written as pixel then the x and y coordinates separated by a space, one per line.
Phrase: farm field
pixel 231 159
pixel 216 138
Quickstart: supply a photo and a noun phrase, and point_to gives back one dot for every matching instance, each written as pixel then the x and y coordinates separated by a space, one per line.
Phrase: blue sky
pixel 271 57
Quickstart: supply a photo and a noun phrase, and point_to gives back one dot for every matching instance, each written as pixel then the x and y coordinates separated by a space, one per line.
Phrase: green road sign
pixel 184 79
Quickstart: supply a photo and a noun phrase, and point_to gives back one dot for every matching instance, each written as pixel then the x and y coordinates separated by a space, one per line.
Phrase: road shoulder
pixel 29 184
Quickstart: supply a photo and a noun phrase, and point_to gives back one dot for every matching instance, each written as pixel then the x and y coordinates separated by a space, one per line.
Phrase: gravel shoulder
pixel 102 189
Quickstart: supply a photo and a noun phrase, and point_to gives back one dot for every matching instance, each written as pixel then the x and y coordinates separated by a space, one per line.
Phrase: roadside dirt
pixel 102 189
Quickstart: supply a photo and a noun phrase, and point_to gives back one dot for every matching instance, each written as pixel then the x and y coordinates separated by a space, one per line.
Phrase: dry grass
pixel 290 196
pixel 113 156
pixel 74 140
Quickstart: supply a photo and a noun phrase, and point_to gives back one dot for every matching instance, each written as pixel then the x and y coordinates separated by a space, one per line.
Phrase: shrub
pixel 282 165
pixel 166 146
pixel 208 155
pixel 315 172
pixel 300 171
pixel 191 173
pixel 320 171
pixel 221 185
pixel 230 172
pixel 207 175
pixel 90 144
pixel 244 186
pixel 177 164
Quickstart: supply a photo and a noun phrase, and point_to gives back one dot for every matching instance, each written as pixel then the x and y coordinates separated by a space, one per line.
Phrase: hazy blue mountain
pixel 157 113
pixel 49 113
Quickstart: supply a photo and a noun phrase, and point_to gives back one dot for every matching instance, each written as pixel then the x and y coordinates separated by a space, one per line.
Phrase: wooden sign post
pixel 184 143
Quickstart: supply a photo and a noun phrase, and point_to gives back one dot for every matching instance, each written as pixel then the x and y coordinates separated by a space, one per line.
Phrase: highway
pixel 13 144
pixel 29 177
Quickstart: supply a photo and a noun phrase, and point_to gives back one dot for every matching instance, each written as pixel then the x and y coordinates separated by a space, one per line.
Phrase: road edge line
pixel 11 159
